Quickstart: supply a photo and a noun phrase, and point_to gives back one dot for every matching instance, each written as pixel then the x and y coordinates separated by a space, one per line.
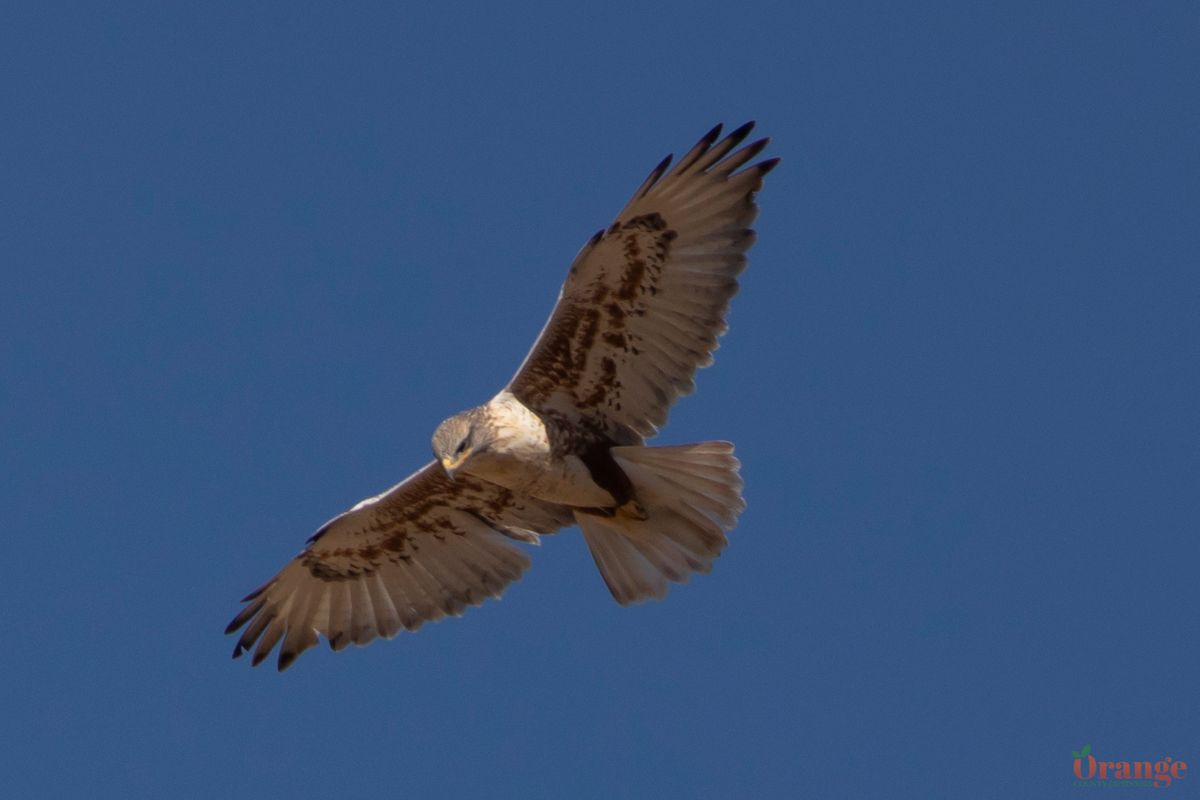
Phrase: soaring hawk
pixel 563 443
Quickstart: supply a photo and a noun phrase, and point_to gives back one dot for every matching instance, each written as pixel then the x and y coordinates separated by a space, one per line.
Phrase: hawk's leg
pixel 608 475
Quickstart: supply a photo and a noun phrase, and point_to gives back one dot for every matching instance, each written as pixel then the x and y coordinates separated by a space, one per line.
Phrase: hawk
pixel 563 443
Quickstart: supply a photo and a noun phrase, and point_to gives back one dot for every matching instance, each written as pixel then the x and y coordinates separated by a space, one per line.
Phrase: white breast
pixel 519 458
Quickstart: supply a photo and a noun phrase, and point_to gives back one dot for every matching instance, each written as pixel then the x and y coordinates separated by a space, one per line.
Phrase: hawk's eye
pixel 462 446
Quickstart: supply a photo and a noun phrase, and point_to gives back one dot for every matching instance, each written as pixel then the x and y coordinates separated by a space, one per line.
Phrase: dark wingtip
pixel 238 650
pixel 758 145
pixel 743 131
pixel 713 134
pixel 258 591
pixel 259 657
pixel 286 658
pixel 652 179
pixel 243 616
pixel 768 165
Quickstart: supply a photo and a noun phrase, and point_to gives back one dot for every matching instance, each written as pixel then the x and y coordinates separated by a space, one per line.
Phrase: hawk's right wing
pixel 425 548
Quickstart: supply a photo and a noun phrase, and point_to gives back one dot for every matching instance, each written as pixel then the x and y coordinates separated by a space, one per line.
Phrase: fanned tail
pixel 687 497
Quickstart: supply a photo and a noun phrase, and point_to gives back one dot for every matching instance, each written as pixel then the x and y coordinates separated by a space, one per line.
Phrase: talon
pixel 632 510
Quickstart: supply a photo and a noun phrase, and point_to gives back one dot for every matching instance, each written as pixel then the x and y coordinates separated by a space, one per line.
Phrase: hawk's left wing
pixel 425 548
pixel 645 300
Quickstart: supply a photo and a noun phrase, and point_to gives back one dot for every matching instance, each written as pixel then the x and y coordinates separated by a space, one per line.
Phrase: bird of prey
pixel 563 443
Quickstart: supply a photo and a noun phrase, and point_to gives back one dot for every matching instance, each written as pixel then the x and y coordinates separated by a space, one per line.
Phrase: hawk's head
pixel 457 439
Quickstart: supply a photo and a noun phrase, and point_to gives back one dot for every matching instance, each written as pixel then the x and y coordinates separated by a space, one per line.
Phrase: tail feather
pixel 628 576
pixel 691 495
pixel 705 476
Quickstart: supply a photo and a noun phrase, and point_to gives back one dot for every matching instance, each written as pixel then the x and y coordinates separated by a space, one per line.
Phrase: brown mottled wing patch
pixel 646 298
pixel 424 549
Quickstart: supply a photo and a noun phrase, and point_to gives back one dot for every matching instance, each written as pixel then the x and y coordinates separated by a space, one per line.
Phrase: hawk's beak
pixel 452 465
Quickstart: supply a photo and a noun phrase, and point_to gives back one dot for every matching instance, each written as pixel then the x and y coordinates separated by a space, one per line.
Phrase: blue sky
pixel 253 254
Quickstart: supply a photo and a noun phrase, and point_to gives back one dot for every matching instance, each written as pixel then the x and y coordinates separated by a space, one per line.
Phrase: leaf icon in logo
pixel 1087 748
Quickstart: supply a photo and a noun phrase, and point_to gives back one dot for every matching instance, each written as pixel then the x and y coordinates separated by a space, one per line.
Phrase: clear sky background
pixel 252 254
